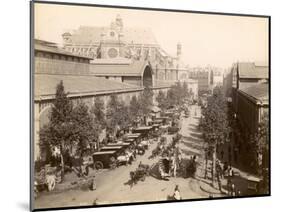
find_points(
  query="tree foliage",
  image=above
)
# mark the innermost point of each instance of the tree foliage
(85, 130)
(98, 111)
(162, 100)
(146, 101)
(215, 124)
(176, 95)
(68, 127)
(134, 108)
(59, 131)
(117, 114)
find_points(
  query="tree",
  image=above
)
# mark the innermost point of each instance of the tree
(59, 131)
(260, 142)
(85, 130)
(134, 108)
(146, 100)
(185, 91)
(176, 94)
(117, 114)
(171, 97)
(162, 101)
(124, 118)
(215, 124)
(111, 110)
(98, 112)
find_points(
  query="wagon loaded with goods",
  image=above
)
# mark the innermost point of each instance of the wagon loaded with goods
(46, 178)
(160, 170)
(163, 168)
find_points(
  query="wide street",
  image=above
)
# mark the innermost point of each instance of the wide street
(112, 185)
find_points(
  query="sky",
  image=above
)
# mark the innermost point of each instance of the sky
(216, 40)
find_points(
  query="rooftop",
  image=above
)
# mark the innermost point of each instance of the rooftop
(45, 46)
(92, 34)
(135, 68)
(252, 71)
(118, 61)
(259, 91)
(45, 85)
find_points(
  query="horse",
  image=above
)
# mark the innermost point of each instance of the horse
(139, 174)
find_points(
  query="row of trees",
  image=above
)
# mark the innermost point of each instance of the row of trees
(69, 127)
(219, 126)
(75, 126)
(215, 125)
(175, 96)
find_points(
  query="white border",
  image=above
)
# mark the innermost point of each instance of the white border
(14, 105)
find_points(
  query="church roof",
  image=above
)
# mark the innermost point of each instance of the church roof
(91, 34)
(45, 85)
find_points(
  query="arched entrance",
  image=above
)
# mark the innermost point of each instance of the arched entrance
(44, 116)
(147, 76)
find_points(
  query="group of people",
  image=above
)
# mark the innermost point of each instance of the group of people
(227, 172)
(172, 163)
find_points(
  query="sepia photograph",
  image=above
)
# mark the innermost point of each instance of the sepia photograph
(141, 105)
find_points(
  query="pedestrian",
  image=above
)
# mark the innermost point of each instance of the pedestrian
(176, 194)
(230, 171)
(218, 173)
(222, 154)
(235, 154)
(238, 193)
(176, 160)
(233, 193)
(229, 183)
(225, 168)
(93, 185)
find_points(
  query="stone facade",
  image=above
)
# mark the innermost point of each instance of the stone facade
(117, 41)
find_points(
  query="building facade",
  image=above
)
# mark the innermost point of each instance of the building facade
(83, 81)
(117, 41)
(203, 79)
(245, 75)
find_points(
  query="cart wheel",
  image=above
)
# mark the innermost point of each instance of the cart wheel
(98, 165)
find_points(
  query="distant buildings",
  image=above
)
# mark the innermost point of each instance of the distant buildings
(192, 86)
(217, 77)
(207, 77)
(203, 79)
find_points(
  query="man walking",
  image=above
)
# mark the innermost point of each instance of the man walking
(218, 173)
(176, 160)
